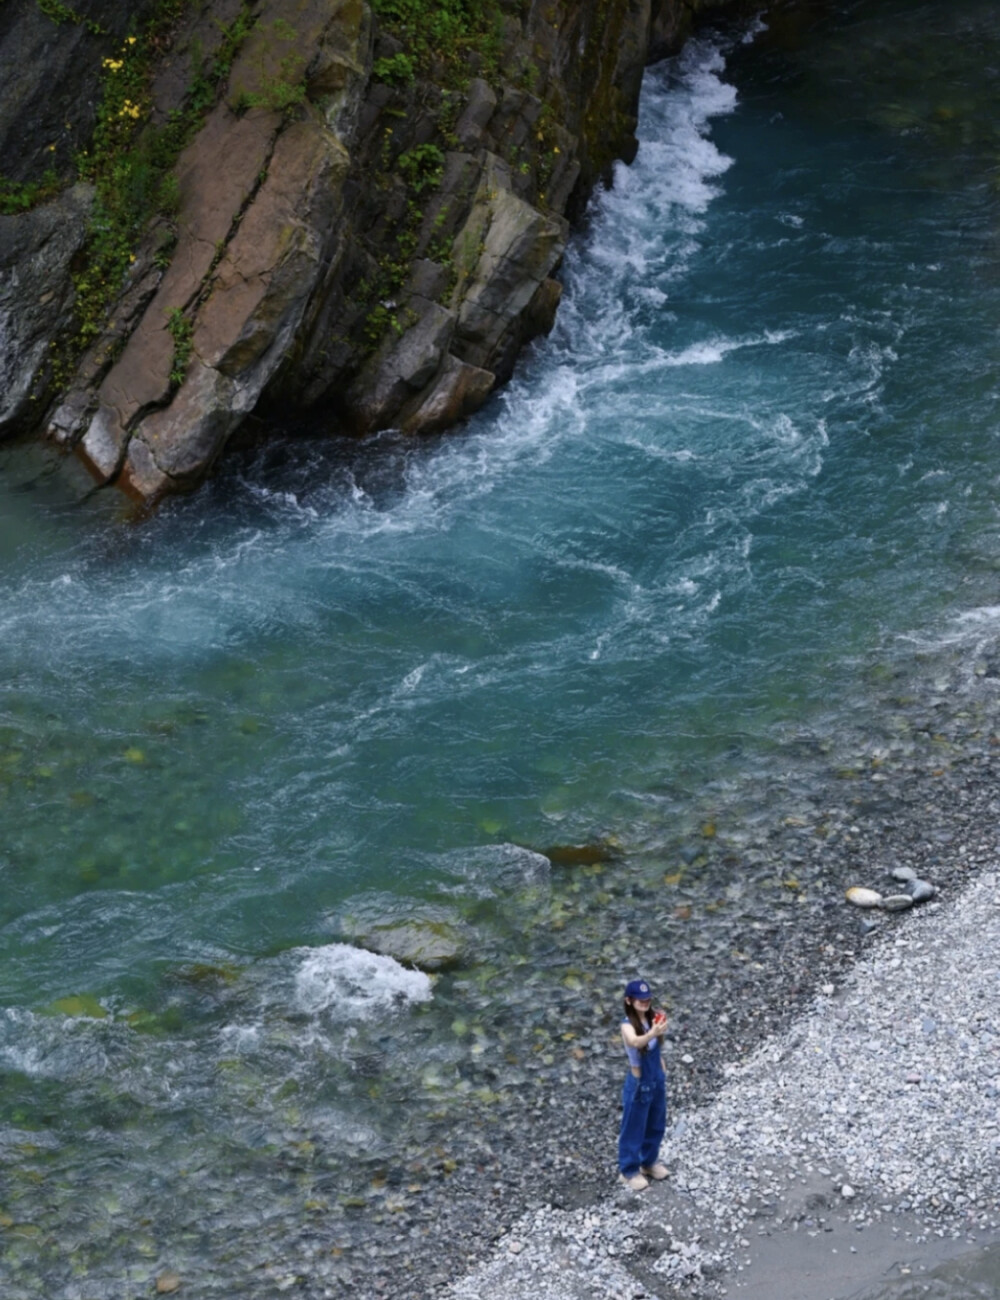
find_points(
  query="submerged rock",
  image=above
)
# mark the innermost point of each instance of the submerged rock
(896, 903)
(862, 897)
(903, 874)
(83, 1005)
(207, 974)
(428, 945)
(581, 855)
(921, 891)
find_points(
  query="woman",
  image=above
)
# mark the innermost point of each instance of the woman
(644, 1097)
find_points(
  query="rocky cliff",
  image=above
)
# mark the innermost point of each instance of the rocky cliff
(212, 207)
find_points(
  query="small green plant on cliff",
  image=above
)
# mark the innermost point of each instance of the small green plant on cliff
(280, 93)
(382, 317)
(181, 333)
(399, 70)
(528, 76)
(286, 89)
(125, 182)
(443, 42)
(421, 167)
(168, 197)
(445, 31)
(61, 13)
(129, 162)
(210, 74)
(19, 196)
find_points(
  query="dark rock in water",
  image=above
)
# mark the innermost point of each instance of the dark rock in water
(920, 890)
(77, 1004)
(903, 874)
(581, 855)
(205, 973)
(429, 945)
(691, 853)
(896, 903)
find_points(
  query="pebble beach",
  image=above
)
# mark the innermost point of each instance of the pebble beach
(876, 1111)
(813, 1045)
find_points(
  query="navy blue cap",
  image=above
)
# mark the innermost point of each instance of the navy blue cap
(638, 989)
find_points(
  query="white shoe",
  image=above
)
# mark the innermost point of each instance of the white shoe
(655, 1172)
(637, 1182)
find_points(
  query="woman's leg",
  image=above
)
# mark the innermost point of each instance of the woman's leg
(655, 1129)
(635, 1108)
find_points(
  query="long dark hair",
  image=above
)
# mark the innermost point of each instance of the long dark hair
(636, 1021)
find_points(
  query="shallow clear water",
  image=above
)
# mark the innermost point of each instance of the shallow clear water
(758, 456)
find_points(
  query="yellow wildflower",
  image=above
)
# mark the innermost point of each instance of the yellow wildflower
(130, 40)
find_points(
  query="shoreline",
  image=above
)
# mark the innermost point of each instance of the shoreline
(744, 978)
(862, 1124)
(921, 795)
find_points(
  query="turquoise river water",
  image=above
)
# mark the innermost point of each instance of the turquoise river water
(759, 453)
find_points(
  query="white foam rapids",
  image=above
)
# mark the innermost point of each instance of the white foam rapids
(356, 984)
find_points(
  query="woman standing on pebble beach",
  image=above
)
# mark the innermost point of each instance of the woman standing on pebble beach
(644, 1096)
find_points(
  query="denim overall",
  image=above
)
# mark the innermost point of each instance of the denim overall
(644, 1110)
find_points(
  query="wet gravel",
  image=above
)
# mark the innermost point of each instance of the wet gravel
(742, 923)
(883, 1098)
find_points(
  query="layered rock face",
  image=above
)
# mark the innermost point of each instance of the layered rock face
(355, 231)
